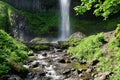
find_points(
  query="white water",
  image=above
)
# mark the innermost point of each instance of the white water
(65, 23)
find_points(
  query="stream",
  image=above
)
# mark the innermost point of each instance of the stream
(56, 64)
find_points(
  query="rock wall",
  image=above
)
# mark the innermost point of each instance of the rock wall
(35, 5)
(40, 5)
(20, 29)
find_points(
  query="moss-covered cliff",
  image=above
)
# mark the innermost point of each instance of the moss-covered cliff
(38, 23)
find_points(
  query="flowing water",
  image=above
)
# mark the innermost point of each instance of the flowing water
(65, 23)
(56, 64)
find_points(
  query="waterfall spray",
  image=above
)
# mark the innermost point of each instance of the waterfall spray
(65, 23)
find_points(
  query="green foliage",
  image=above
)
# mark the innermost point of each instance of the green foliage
(42, 23)
(11, 50)
(117, 32)
(102, 7)
(112, 63)
(39, 23)
(88, 47)
(114, 44)
(85, 5)
(73, 41)
(91, 48)
(39, 47)
(3, 16)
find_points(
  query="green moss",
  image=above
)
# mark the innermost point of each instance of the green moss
(39, 23)
(73, 41)
(112, 63)
(39, 47)
(87, 47)
(3, 16)
(78, 66)
(114, 44)
(117, 32)
(6, 12)
(11, 50)
(43, 23)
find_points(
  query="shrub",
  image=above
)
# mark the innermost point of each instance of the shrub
(11, 50)
(87, 47)
(117, 32)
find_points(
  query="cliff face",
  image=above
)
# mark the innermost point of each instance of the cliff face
(35, 5)
(40, 5)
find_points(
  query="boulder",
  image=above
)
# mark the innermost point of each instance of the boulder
(77, 35)
(75, 38)
(39, 40)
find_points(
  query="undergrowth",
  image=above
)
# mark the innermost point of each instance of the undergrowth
(90, 48)
(11, 51)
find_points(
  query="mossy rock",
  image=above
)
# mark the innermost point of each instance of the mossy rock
(39, 44)
(39, 47)
(75, 39)
(39, 40)
(78, 35)
(117, 32)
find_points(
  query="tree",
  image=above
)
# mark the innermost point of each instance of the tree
(101, 7)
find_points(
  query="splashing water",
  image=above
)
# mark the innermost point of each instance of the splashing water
(65, 23)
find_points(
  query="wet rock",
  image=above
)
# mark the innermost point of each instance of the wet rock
(31, 75)
(78, 35)
(66, 72)
(14, 77)
(34, 65)
(63, 44)
(73, 78)
(85, 76)
(73, 69)
(102, 75)
(73, 59)
(68, 61)
(39, 40)
(80, 71)
(75, 72)
(38, 69)
(83, 63)
(61, 60)
(59, 50)
(65, 51)
(89, 70)
(52, 52)
(31, 54)
(44, 54)
(95, 62)
(42, 74)
(32, 58)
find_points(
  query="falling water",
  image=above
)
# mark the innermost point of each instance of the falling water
(65, 23)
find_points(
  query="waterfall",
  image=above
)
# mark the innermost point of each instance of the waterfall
(65, 23)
